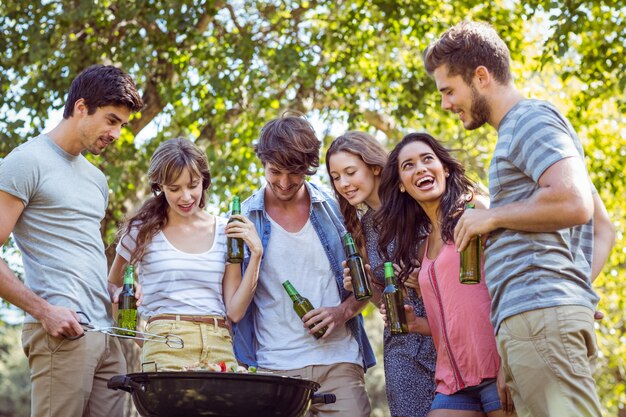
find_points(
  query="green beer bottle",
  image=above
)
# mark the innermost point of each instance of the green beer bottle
(394, 302)
(127, 305)
(301, 305)
(360, 283)
(469, 271)
(235, 245)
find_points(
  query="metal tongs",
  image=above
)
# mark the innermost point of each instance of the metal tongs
(172, 341)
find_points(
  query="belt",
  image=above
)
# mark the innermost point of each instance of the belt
(218, 321)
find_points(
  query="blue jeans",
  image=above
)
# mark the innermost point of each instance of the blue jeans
(482, 397)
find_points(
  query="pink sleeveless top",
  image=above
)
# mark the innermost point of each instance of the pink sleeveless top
(458, 315)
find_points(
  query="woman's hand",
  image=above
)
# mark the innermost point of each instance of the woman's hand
(244, 229)
(414, 324)
(347, 278)
(411, 281)
(115, 293)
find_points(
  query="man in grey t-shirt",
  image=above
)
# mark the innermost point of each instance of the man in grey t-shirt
(52, 199)
(542, 253)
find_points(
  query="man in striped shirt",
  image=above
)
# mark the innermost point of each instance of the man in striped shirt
(539, 255)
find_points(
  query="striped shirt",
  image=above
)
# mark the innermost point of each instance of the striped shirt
(176, 282)
(527, 271)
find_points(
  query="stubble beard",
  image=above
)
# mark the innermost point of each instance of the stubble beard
(479, 112)
(285, 198)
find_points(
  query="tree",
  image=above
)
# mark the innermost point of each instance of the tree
(216, 71)
(14, 378)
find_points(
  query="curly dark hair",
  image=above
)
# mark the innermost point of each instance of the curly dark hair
(402, 220)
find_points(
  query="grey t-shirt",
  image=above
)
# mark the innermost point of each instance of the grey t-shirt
(528, 271)
(64, 198)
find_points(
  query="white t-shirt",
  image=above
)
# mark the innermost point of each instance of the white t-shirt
(283, 342)
(176, 282)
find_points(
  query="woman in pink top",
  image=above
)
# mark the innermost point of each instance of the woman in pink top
(424, 189)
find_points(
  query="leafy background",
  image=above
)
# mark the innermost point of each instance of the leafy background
(216, 71)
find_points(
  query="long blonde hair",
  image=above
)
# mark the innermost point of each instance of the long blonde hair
(374, 155)
(168, 162)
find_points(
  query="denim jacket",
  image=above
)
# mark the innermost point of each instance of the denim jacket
(328, 224)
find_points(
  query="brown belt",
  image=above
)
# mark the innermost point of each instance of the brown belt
(219, 322)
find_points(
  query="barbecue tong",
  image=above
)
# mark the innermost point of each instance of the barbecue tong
(172, 341)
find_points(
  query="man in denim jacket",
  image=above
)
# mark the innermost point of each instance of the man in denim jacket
(301, 229)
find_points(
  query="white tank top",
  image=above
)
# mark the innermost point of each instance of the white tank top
(283, 342)
(177, 282)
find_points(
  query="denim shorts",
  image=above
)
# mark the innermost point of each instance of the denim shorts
(482, 397)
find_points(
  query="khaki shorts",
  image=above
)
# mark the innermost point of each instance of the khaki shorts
(69, 377)
(203, 343)
(345, 380)
(548, 356)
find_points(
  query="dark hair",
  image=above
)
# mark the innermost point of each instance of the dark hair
(102, 85)
(166, 165)
(466, 46)
(289, 142)
(374, 155)
(402, 220)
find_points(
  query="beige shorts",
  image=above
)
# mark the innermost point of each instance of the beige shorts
(548, 356)
(203, 343)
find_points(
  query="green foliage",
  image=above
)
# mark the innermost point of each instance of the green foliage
(607, 144)
(375, 376)
(595, 31)
(14, 376)
(216, 70)
(11, 255)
